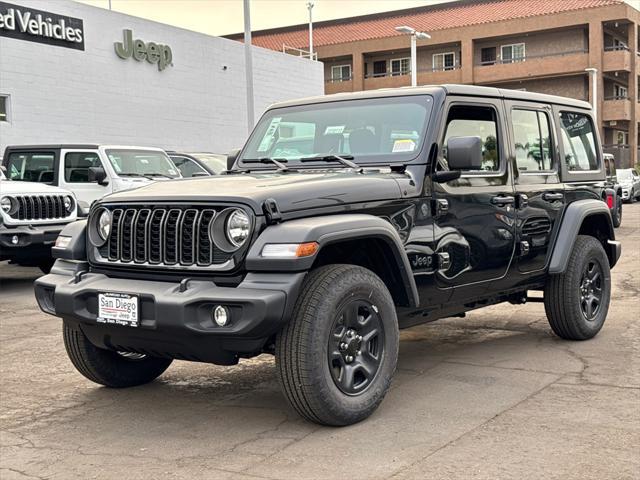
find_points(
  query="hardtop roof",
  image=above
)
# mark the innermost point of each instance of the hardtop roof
(448, 89)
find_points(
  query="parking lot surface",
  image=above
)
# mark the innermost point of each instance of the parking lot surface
(493, 395)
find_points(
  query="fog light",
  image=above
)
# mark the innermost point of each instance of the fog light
(221, 315)
(15, 240)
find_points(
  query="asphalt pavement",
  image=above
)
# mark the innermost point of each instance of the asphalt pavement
(494, 395)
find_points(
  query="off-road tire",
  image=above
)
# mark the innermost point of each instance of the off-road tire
(302, 349)
(616, 215)
(107, 367)
(562, 294)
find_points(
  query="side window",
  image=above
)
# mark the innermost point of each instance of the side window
(77, 164)
(31, 167)
(474, 121)
(579, 142)
(532, 140)
(186, 166)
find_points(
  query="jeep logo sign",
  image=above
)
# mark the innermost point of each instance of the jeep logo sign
(152, 52)
(33, 25)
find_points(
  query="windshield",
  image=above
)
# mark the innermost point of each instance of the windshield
(378, 130)
(31, 166)
(213, 161)
(625, 175)
(142, 163)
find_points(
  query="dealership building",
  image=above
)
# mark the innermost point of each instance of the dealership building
(73, 73)
(536, 45)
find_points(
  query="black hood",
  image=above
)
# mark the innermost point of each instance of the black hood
(292, 191)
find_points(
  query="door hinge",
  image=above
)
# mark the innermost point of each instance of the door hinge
(444, 261)
(524, 248)
(439, 207)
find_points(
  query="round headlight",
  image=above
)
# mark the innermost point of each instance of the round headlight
(104, 224)
(68, 203)
(9, 205)
(238, 226)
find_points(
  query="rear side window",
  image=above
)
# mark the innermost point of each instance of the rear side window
(578, 140)
(532, 140)
(31, 166)
(77, 164)
(187, 166)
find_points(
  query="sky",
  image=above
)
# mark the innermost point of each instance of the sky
(220, 17)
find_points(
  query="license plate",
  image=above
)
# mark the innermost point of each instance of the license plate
(118, 309)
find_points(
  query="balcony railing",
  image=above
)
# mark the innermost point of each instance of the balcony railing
(340, 79)
(615, 48)
(408, 72)
(499, 61)
(617, 97)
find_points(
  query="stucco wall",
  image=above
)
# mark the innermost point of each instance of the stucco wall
(60, 95)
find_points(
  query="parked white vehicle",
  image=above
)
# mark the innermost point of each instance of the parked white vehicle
(31, 217)
(89, 171)
(629, 180)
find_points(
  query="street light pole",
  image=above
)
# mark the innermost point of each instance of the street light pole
(415, 35)
(310, 7)
(248, 64)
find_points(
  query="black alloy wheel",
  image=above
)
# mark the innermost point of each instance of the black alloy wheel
(356, 346)
(591, 290)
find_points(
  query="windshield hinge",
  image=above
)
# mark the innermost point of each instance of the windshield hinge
(271, 211)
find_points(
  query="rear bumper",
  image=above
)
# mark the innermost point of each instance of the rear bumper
(175, 323)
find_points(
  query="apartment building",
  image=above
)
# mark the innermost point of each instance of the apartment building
(536, 45)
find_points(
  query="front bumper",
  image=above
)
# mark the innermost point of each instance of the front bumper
(174, 323)
(33, 243)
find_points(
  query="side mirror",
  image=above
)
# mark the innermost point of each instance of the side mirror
(464, 153)
(3, 169)
(98, 175)
(232, 156)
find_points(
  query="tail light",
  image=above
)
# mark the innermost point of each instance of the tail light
(609, 200)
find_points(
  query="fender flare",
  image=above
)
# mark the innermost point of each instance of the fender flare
(327, 230)
(572, 220)
(77, 248)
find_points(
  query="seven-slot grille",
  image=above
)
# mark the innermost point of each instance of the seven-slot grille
(40, 207)
(163, 236)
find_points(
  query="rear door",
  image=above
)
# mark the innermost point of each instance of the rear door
(74, 176)
(540, 198)
(474, 230)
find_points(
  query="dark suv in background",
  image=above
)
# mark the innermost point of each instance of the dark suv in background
(395, 208)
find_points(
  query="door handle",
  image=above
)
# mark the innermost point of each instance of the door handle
(503, 200)
(552, 197)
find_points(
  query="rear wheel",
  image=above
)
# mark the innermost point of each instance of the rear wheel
(107, 367)
(577, 301)
(337, 355)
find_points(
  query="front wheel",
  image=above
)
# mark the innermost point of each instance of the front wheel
(577, 301)
(107, 367)
(337, 355)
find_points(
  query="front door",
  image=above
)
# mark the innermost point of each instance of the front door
(475, 219)
(539, 192)
(74, 176)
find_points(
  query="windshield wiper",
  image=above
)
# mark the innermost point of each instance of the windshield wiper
(332, 157)
(154, 174)
(278, 162)
(141, 175)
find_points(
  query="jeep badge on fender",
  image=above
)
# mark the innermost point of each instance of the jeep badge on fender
(343, 219)
(152, 52)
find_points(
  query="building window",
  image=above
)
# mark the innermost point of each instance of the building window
(532, 140)
(619, 92)
(579, 142)
(622, 137)
(488, 56)
(512, 53)
(444, 61)
(619, 45)
(340, 73)
(4, 108)
(380, 68)
(400, 66)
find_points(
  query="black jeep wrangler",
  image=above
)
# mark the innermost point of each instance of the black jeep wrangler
(342, 220)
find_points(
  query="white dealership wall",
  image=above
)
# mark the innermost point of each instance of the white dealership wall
(61, 95)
